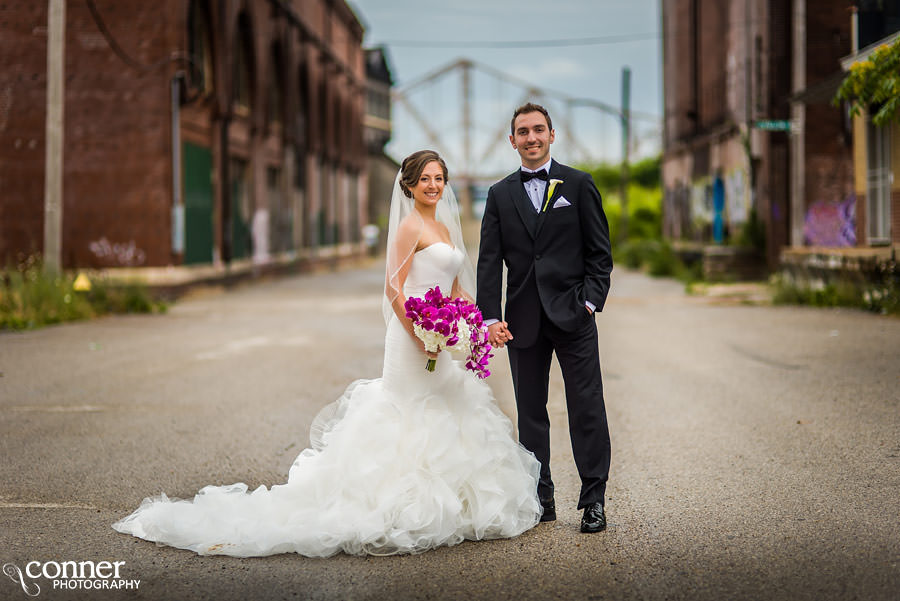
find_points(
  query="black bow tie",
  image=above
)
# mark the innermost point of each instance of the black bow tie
(528, 175)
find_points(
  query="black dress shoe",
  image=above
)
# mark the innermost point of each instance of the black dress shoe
(549, 506)
(594, 519)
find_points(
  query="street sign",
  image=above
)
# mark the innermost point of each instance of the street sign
(773, 125)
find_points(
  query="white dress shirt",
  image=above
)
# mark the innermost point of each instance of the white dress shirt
(537, 188)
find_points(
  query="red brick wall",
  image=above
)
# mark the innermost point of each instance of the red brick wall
(23, 82)
(829, 155)
(117, 160)
(829, 150)
(694, 54)
(678, 70)
(116, 184)
(118, 171)
(712, 52)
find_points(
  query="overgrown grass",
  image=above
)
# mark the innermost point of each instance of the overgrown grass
(644, 247)
(30, 298)
(644, 213)
(658, 258)
(881, 296)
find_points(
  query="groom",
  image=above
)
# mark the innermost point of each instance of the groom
(546, 222)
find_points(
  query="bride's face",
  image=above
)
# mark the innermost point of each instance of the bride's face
(430, 187)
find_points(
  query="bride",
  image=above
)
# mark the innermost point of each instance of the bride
(401, 464)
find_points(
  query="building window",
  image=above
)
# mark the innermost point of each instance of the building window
(877, 20)
(275, 87)
(323, 114)
(353, 218)
(241, 209)
(200, 47)
(300, 116)
(281, 213)
(243, 63)
(878, 184)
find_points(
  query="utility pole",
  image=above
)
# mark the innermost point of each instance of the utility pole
(466, 191)
(626, 139)
(748, 101)
(53, 161)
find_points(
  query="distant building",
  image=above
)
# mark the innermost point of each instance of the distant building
(382, 169)
(740, 137)
(196, 131)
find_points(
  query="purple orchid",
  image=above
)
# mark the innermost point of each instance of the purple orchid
(436, 319)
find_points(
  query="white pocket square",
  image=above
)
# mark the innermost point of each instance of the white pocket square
(561, 202)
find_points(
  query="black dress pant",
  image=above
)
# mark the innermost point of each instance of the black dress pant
(579, 359)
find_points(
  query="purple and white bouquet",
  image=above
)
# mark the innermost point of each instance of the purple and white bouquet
(444, 323)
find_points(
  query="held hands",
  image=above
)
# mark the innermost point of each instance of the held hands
(498, 334)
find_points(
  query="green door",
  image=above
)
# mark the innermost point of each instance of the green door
(198, 204)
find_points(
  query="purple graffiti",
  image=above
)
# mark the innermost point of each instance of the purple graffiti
(831, 223)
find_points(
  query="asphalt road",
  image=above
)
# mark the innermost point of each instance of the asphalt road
(756, 450)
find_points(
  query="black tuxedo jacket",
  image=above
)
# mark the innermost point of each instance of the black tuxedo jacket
(556, 259)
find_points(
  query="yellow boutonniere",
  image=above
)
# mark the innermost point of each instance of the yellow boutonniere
(553, 184)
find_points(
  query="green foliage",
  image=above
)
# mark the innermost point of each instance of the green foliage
(658, 257)
(842, 294)
(645, 173)
(644, 213)
(874, 85)
(644, 247)
(753, 233)
(606, 176)
(880, 295)
(30, 298)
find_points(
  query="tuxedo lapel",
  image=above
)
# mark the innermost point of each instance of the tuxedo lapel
(554, 174)
(522, 203)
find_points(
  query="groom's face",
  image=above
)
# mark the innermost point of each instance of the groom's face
(532, 138)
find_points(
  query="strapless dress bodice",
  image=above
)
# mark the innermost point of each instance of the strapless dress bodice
(435, 265)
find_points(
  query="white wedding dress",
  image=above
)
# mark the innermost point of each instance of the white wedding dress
(401, 464)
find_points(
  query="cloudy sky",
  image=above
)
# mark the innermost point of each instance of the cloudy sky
(538, 42)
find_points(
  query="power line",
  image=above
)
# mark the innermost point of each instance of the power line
(124, 56)
(608, 39)
(590, 41)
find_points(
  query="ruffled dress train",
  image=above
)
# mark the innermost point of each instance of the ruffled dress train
(400, 464)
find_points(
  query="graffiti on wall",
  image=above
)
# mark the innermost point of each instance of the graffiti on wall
(831, 223)
(120, 253)
(690, 211)
(701, 201)
(736, 199)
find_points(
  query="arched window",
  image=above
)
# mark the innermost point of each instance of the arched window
(322, 99)
(200, 46)
(276, 86)
(242, 90)
(302, 113)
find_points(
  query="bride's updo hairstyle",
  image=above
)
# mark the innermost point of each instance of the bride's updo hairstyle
(412, 167)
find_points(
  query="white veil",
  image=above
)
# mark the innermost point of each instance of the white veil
(400, 252)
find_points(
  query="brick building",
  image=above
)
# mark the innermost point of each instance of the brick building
(382, 169)
(195, 131)
(735, 74)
